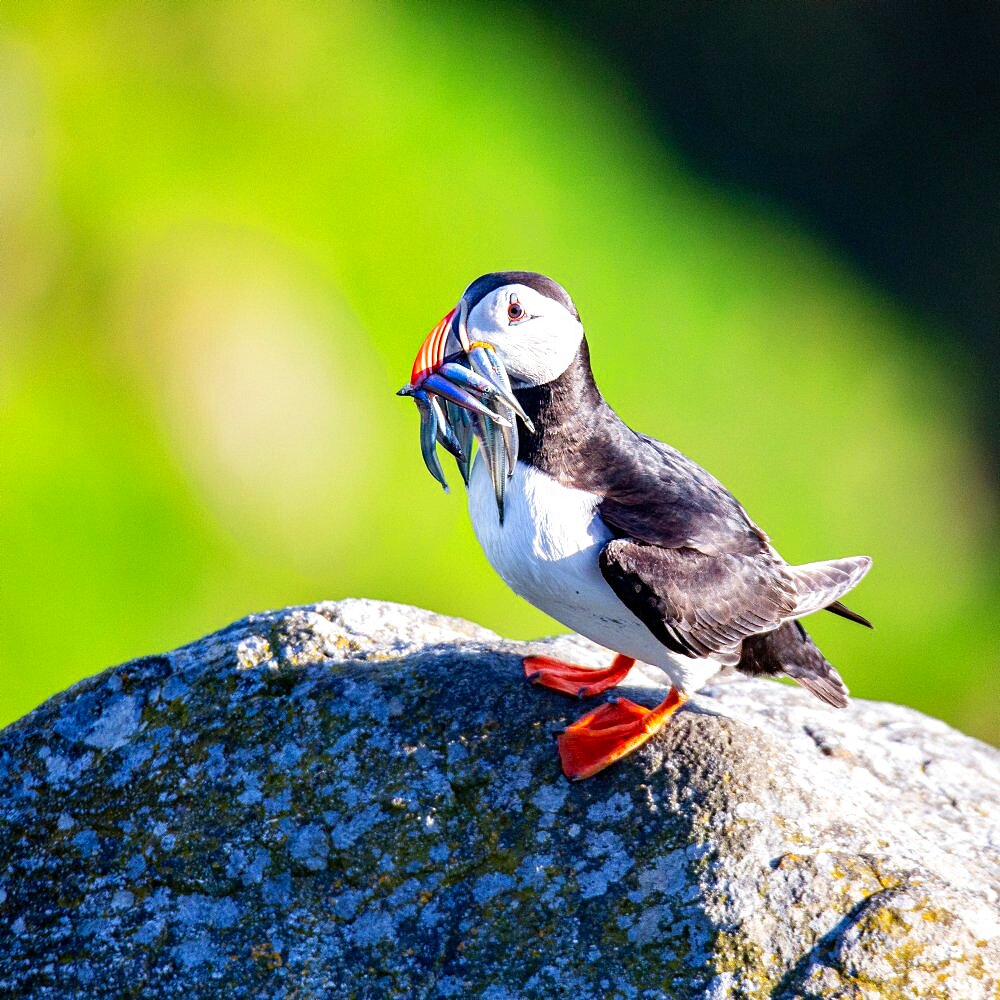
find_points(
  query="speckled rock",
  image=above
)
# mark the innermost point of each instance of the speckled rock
(364, 800)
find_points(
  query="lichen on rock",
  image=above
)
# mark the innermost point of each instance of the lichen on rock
(363, 800)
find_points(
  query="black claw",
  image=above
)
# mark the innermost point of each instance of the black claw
(531, 678)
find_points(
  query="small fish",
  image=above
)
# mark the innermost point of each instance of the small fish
(445, 434)
(484, 358)
(510, 442)
(459, 405)
(490, 436)
(485, 385)
(437, 383)
(461, 425)
(428, 436)
(485, 362)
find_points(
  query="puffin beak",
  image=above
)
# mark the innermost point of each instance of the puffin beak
(436, 371)
(479, 402)
(431, 355)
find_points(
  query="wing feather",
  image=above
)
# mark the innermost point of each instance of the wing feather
(698, 604)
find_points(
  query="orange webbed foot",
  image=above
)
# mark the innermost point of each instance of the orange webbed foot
(610, 732)
(570, 678)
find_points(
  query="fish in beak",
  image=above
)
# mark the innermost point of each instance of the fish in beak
(478, 403)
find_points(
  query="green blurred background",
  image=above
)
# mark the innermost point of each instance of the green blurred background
(224, 230)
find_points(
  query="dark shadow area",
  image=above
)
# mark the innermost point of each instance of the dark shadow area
(824, 950)
(876, 123)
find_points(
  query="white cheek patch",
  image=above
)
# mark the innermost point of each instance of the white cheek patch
(542, 358)
(535, 350)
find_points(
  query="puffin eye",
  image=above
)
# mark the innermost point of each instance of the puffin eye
(515, 311)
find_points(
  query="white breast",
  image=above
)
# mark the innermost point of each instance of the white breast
(547, 551)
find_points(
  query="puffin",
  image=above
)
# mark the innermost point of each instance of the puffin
(614, 534)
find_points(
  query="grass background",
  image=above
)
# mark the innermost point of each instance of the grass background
(226, 229)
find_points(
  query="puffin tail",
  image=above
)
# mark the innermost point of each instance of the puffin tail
(788, 650)
(822, 584)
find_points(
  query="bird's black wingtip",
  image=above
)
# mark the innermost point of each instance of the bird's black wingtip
(841, 609)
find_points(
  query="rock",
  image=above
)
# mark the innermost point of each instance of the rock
(364, 800)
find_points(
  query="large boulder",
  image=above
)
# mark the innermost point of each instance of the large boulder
(364, 800)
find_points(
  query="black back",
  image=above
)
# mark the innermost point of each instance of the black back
(651, 492)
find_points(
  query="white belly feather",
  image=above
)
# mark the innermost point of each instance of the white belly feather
(547, 551)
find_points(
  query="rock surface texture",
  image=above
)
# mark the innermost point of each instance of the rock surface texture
(364, 800)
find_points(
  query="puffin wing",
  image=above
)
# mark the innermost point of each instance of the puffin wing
(698, 604)
(654, 493)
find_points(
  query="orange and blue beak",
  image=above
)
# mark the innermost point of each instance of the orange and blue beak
(434, 349)
(436, 369)
(462, 401)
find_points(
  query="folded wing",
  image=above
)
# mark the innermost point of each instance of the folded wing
(705, 605)
(697, 604)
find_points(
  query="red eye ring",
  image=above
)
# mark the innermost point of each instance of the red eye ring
(515, 311)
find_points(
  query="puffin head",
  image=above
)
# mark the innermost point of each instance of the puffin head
(527, 319)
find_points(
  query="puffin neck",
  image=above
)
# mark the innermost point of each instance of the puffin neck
(563, 411)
